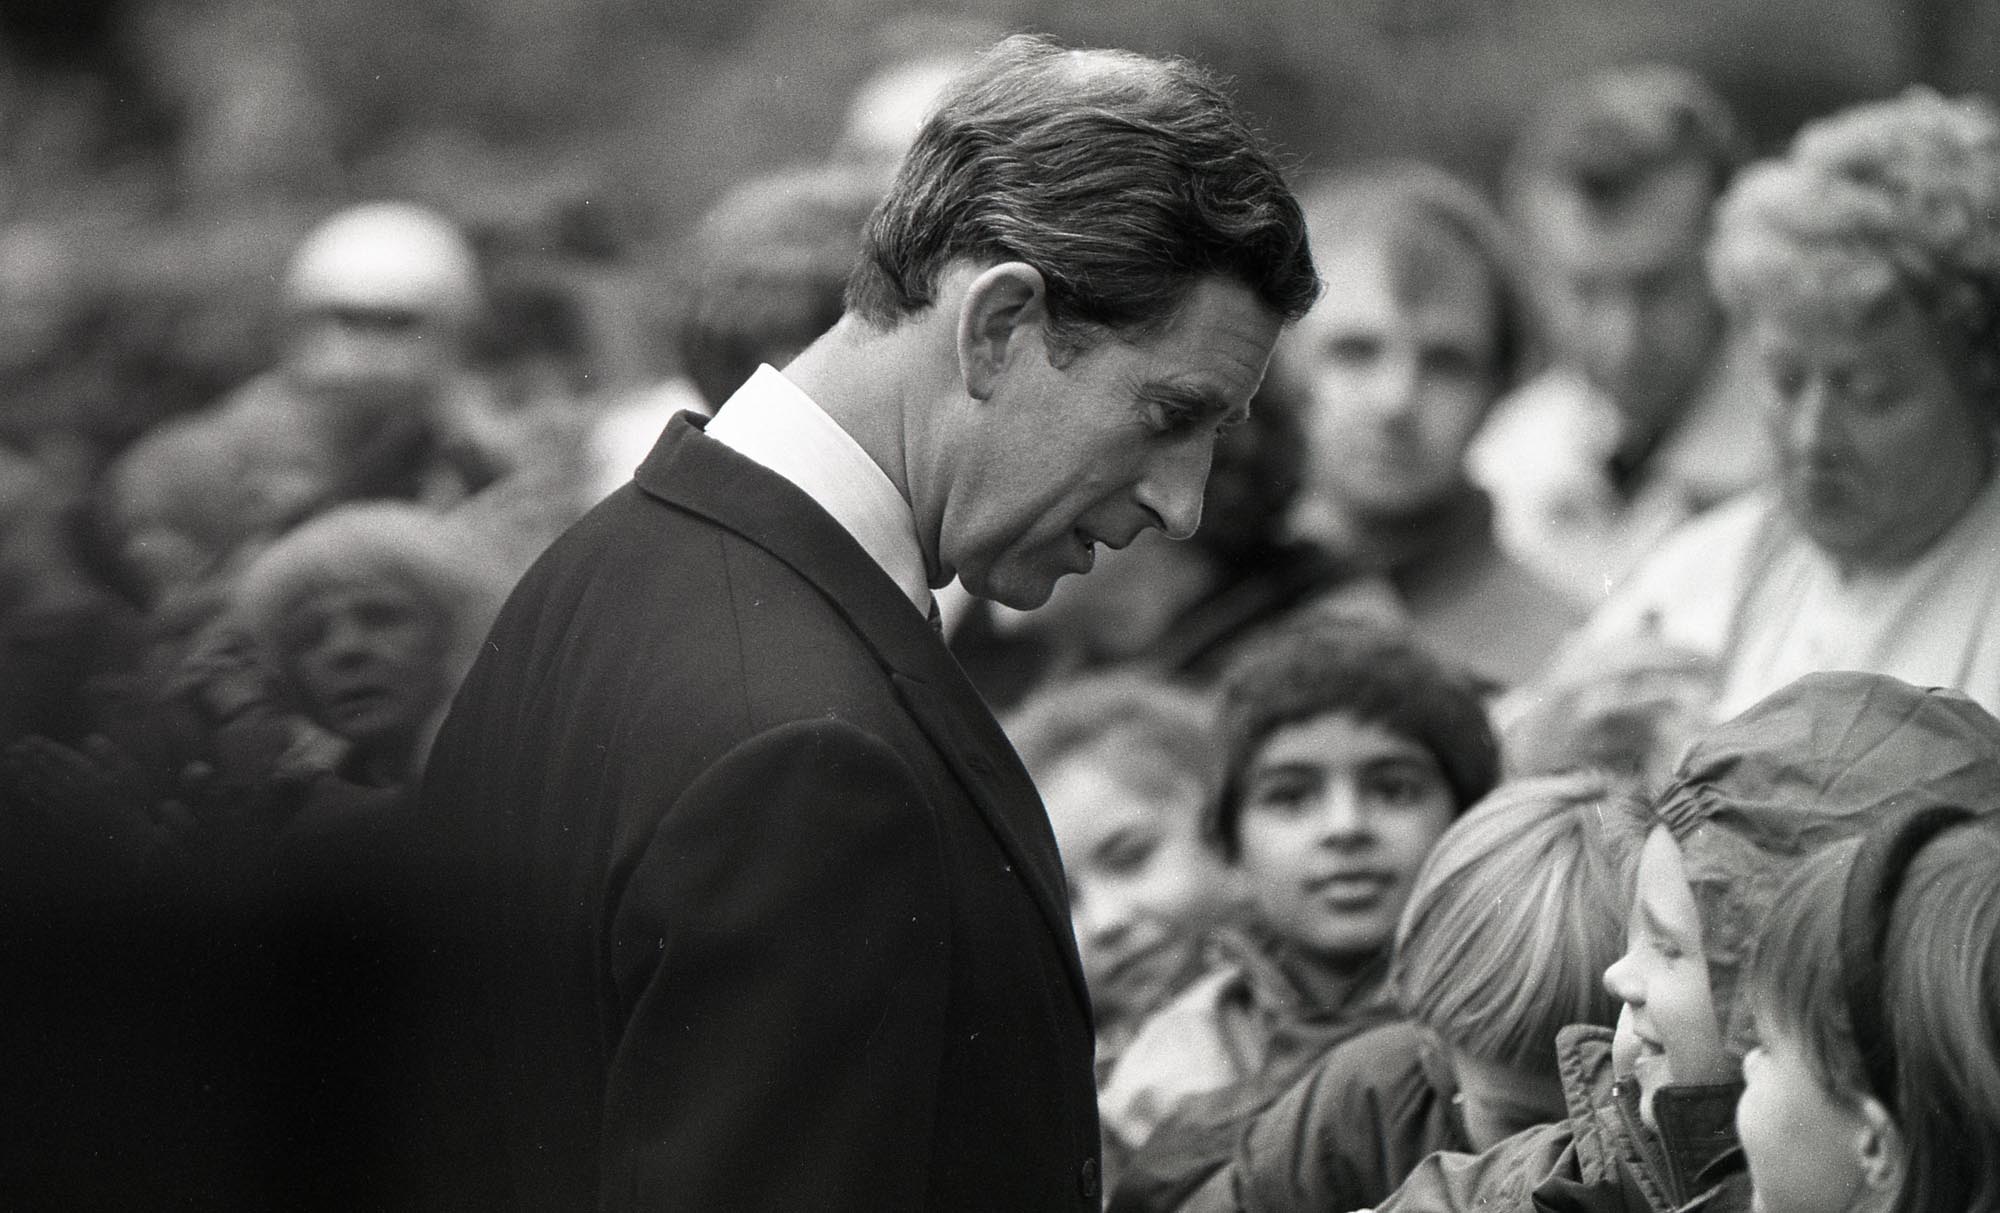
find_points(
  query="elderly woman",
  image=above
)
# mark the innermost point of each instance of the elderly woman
(1863, 271)
(370, 615)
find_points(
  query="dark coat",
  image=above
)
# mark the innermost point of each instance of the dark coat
(1346, 1134)
(1600, 1159)
(767, 912)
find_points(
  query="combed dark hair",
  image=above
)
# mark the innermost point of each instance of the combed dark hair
(1375, 675)
(1941, 992)
(1123, 180)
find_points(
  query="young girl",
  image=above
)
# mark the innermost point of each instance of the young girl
(1126, 765)
(1349, 751)
(1652, 1106)
(1875, 1082)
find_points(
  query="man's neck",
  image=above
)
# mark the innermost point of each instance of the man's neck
(863, 378)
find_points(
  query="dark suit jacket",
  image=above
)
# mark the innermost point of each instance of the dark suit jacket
(770, 916)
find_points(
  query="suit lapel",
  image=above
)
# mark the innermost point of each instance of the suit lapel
(691, 472)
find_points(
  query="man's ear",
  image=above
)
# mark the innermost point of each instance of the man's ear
(1003, 305)
(1880, 1148)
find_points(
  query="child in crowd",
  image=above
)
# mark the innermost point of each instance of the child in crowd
(1126, 765)
(1875, 1082)
(1651, 1107)
(1512, 922)
(1349, 751)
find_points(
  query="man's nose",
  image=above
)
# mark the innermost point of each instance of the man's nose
(1173, 488)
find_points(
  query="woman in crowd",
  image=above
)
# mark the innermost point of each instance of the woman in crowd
(1864, 271)
(370, 615)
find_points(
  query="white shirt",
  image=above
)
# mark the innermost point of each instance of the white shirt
(1742, 585)
(771, 422)
(1543, 457)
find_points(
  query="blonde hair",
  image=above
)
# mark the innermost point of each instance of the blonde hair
(1899, 195)
(1517, 913)
(447, 562)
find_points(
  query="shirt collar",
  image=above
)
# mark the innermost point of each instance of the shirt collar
(770, 421)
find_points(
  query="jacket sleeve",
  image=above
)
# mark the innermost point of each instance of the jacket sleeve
(779, 956)
(1503, 1177)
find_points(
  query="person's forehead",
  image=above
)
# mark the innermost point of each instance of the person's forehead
(1335, 739)
(1443, 283)
(1218, 341)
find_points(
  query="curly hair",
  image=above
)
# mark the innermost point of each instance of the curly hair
(1376, 675)
(442, 559)
(1123, 180)
(1899, 195)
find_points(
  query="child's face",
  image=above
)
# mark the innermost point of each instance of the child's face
(1668, 1031)
(1802, 1140)
(1140, 881)
(1337, 816)
(1399, 375)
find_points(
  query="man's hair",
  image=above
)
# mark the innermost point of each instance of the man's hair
(1373, 675)
(1153, 727)
(1602, 136)
(1516, 914)
(767, 266)
(1941, 994)
(1123, 180)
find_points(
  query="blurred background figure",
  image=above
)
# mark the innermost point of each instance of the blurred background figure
(1425, 322)
(1864, 269)
(762, 274)
(1126, 765)
(368, 399)
(1645, 419)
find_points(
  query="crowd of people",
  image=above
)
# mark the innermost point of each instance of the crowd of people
(1553, 775)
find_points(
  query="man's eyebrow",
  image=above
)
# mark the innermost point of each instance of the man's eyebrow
(1209, 403)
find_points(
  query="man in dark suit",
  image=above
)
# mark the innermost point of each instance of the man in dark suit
(764, 912)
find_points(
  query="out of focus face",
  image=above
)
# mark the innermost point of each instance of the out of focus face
(1096, 448)
(1141, 883)
(1800, 1139)
(1668, 1030)
(366, 655)
(370, 359)
(1628, 294)
(1336, 818)
(1880, 448)
(1397, 375)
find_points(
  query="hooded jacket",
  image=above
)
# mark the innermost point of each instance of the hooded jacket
(1818, 761)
